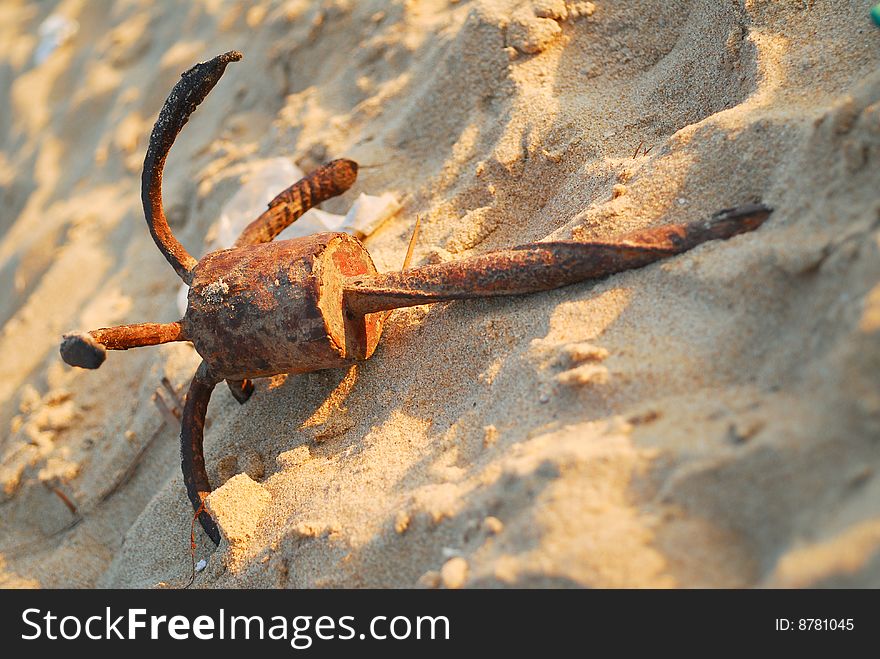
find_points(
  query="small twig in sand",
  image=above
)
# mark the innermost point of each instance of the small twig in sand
(639, 148)
(117, 484)
(175, 396)
(71, 506)
(169, 414)
(192, 544)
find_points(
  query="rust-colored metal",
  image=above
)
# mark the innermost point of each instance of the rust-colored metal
(89, 350)
(192, 455)
(327, 181)
(264, 308)
(188, 93)
(542, 266)
(279, 304)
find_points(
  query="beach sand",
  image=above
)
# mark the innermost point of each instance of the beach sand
(709, 420)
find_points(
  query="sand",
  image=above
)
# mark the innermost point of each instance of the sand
(710, 420)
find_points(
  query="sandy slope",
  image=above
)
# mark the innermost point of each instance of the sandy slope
(730, 437)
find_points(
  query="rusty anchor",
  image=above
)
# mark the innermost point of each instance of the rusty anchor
(263, 308)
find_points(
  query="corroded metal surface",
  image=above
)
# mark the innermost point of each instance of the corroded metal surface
(326, 182)
(193, 87)
(542, 266)
(275, 307)
(88, 350)
(192, 456)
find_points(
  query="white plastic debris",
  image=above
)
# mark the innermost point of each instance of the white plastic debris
(53, 32)
(268, 179)
(201, 565)
(368, 213)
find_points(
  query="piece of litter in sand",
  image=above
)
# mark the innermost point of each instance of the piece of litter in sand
(262, 185)
(54, 32)
(201, 565)
(368, 213)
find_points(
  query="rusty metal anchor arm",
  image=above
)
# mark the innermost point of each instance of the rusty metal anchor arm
(193, 87)
(192, 456)
(89, 349)
(327, 181)
(541, 266)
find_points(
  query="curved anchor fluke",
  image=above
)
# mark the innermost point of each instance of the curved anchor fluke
(192, 456)
(193, 87)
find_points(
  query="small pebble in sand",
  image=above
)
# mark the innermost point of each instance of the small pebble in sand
(401, 521)
(740, 433)
(430, 579)
(490, 436)
(544, 399)
(618, 190)
(493, 525)
(454, 572)
(201, 565)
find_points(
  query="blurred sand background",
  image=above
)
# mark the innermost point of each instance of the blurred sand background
(710, 420)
